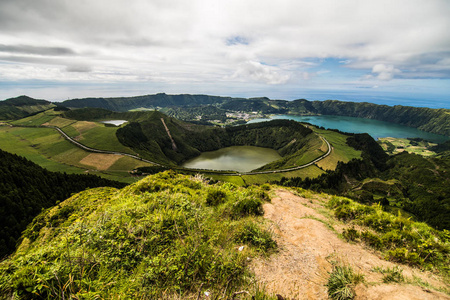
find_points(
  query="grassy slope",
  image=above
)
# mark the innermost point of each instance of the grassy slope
(47, 148)
(165, 236)
(159, 238)
(104, 138)
(341, 151)
(20, 141)
(403, 144)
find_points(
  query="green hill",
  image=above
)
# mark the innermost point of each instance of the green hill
(166, 236)
(22, 106)
(26, 189)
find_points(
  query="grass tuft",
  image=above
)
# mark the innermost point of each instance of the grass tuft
(342, 281)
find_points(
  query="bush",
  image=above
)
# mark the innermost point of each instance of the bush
(403, 255)
(215, 197)
(392, 239)
(251, 234)
(351, 234)
(247, 207)
(372, 240)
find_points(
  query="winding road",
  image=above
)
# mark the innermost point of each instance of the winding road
(78, 144)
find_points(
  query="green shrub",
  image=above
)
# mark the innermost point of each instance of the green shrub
(215, 197)
(252, 234)
(265, 187)
(247, 207)
(403, 255)
(336, 201)
(372, 240)
(345, 212)
(351, 234)
(341, 283)
(392, 239)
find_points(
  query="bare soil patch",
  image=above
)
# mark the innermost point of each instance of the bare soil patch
(308, 245)
(82, 126)
(100, 161)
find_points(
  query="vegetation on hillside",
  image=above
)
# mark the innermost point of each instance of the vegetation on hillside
(26, 189)
(150, 139)
(399, 238)
(427, 119)
(166, 236)
(22, 106)
(416, 184)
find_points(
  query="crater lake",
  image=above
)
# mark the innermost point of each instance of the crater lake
(236, 158)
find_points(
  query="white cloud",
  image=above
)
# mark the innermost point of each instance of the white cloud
(384, 72)
(197, 41)
(260, 73)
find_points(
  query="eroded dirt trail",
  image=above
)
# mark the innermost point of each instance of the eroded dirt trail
(308, 246)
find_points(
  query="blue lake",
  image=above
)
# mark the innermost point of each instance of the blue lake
(376, 129)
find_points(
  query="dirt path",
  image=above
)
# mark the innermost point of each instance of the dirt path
(307, 249)
(174, 146)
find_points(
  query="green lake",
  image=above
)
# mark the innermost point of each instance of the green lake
(237, 158)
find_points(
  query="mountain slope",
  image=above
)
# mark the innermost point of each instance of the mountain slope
(176, 237)
(310, 248)
(26, 189)
(166, 237)
(22, 106)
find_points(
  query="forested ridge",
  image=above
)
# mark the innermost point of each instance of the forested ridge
(26, 189)
(22, 106)
(427, 119)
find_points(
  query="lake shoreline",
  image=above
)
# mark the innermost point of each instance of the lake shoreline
(375, 128)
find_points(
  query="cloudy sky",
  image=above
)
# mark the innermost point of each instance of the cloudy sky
(393, 52)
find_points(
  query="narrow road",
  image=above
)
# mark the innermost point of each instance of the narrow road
(78, 144)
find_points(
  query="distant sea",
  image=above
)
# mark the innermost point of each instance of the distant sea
(385, 99)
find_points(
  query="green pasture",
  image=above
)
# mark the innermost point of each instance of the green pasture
(22, 141)
(47, 148)
(103, 138)
(397, 145)
(37, 119)
(340, 150)
(311, 172)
